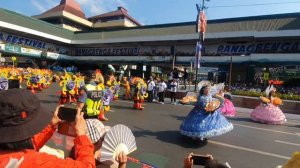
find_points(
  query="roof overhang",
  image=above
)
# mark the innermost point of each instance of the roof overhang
(67, 15)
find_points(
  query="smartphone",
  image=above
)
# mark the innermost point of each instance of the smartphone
(66, 128)
(200, 159)
(67, 112)
(13, 84)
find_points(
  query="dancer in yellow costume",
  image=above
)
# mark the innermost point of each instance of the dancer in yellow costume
(68, 89)
(140, 93)
(3, 79)
(126, 85)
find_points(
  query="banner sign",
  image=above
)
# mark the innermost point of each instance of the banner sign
(13, 39)
(107, 51)
(32, 43)
(267, 47)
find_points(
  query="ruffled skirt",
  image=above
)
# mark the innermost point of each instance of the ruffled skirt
(269, 114)
(228, 109)
(199, 124)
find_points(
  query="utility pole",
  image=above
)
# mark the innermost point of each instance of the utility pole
(230, 71)
(201, 37)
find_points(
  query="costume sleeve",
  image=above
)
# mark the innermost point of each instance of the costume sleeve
(40, 139)
(82, 98)
(201, 102)
(84, 156)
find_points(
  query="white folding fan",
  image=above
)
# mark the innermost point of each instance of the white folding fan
(118, 139)
(216, 88)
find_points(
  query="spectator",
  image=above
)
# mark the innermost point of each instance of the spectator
(150, 89)
(162, 86)
(22, 121)
(96, 132)
(211, 163)
(185, 77)
(173, 91)
(176, 75)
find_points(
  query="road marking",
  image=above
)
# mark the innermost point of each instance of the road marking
(288, 143)
(249, 150)
(264, 129)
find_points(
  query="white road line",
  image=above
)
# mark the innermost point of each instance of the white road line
(288, 143)
(249, 150)
(282, 132)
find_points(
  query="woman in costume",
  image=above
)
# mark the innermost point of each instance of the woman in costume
(268, 111)
(205, 120)
(228, 109)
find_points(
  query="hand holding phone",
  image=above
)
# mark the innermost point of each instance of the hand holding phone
(200, 159)
(67, 112)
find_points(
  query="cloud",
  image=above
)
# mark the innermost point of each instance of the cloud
(39, 6)
(43, 6)
(96, 7)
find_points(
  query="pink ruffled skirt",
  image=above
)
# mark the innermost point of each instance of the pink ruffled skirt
(228, 109)
(269, 114)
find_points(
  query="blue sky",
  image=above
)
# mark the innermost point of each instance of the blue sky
(162, 11)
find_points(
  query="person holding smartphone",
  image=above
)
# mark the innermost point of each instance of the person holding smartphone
(26, 126)
(203, 160)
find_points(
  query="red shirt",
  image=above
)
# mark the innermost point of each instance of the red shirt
(84, 153)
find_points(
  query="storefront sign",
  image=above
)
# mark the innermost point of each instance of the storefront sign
(13, 48)
(28, 51)
(267, 47)
(51, 55)
(126, 51)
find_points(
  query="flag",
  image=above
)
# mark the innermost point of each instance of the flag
(198, 55)
(201, 22)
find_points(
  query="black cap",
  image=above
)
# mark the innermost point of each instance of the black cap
(21, 115)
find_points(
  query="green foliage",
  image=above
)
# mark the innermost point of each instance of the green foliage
(258, 94)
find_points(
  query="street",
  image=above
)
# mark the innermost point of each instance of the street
(159, 142)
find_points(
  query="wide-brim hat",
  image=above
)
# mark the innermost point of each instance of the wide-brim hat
(21, 115)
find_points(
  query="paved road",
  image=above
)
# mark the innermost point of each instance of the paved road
(156, 128)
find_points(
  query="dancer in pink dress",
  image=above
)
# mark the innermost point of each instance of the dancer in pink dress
(228, 109)
(268, 111)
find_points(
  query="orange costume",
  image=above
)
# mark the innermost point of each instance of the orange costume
(32, 158)
(126, 85)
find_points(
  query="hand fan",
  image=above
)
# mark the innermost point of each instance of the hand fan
(216, 88)
(118, 139)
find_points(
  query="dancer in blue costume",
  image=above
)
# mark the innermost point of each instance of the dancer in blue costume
(201, 122)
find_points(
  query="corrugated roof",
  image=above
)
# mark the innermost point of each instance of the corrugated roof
(120, 12)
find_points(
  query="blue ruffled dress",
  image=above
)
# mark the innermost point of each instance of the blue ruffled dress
(200, 124)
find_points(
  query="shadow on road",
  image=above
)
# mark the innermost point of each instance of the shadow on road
(179, 118)
(173, 137)
(240, 119)
(49, 101)
(121, 107)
